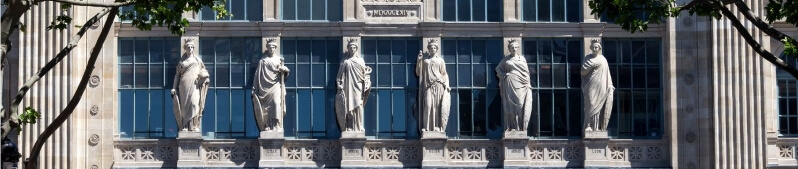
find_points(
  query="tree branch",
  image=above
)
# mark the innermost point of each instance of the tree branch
(64, 115)
(13, 121)
(753, 43)
(94, 3)
(759, 23)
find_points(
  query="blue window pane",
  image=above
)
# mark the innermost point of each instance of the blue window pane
(318, 10)
(251, 127)
(560, 76)
(495, 12)
(653, 53)
(449, 10)
(289, 51)
(303, 14)
(383, 51)
(237, 75)
(237, 46)
(413, 47)
(384, 77)
(302, 74)
(624, 77)
(573, 10)
(494, 50)
(398, 49)
(544, 9)
(207, 14)
(559, 52)
(545, 76)
(384, 110)
(479, 10)
(156, 51)
(126, 113)
(318, 75)
(477, 52)
(464, 10)
(452, 129)
(332, 73)
(141, 124)
(463, 51)
(398, 75)
(638, 52)
(290, 81)
(574, 75)
(492, 79)
(451, 70)
(289, 122)
(126, 50)
(223, 111)
(626, 51)
(558, 11)
(142, 79)
(544, 52)
(333, 51)
(125, 76)
(399, 111)
(170, 125)
(529, 8)
(141, 53)
(332, 130)
(639, 77)
(412, 80)
(222, 75)
(318, 50)
(237, 111)
(302, 54)
(449, 51)
(370, 51)
(209, 116)
(575, 113)
(156, 114)
(653, 77)
(254, 10)
(289, 9)
(237, 9)
(574, 51)
(222, 50)
(466, 116)
(545, 101)
(303, 113)
(207, 50)
(493, 102)
(610, 50)
(480, 118)
(479, 75)
(334, 10)
(319, 111)
(370, 114)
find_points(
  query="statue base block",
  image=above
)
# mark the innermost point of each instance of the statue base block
(596, 149)
(189, 146)
(271, 149)
(434, 145)
(352, 144)
(515, 154)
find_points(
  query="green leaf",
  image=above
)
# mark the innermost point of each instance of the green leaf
(29, 116)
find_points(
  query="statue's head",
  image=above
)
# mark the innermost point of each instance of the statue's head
(271, 46)
(432, 46)
(595, 46)
(351, 47)
(189, 46)
(513, 47)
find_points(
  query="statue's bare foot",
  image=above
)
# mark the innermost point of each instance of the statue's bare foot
(185, 129)
(423, 129)
(437, 129)
(195, 129)
(589, 129)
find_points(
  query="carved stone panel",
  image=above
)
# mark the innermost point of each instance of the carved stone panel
(393, 12)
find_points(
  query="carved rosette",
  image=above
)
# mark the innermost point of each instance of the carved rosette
(94, 80)
(94, 139)
(94, 110)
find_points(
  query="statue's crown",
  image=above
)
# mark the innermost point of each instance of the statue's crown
(432, 41)
(595, 41)
(271, 40)
(511, 41)
(352, 40)
(189, 40)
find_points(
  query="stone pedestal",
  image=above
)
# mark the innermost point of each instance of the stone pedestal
(190, 146)
(596, 149)
(271, 149)
(434, 144)
(515, 154)
(352, 154)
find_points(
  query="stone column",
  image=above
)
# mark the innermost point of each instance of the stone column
(431, 11)
(512, 11)
(271, 10)
(351, 10)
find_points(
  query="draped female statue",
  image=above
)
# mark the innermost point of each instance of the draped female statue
(353, 83)
(597, 89)
(515, 89)
(268, 90)
(433, 93)
(189, 89)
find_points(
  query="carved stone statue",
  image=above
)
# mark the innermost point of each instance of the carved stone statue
(433, 93)
(268, 90)
(597, 89)
(353, 83)
(515, 89)
(189, 89)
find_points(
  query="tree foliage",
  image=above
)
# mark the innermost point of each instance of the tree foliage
(635, 15)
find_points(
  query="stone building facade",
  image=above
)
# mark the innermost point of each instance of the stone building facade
(690, 92)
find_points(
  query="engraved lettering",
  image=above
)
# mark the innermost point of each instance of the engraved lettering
(596, 151)
(434, 151)
(389, 13)
(516, 151)
(353, 152)
(272, 151)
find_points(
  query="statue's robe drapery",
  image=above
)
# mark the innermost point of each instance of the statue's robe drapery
(192, 86)
(597, 91)
(516, 92)
(433, 94)
(353, 75)
(268, 99)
